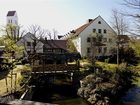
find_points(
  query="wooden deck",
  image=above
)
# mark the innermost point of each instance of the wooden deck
(55, 68)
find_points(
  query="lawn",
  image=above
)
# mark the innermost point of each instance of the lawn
(7, 75)
(106, 66)
(84, 64)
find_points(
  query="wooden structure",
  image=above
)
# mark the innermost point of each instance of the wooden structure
(54, 63)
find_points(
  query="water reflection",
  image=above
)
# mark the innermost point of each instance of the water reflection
(58, 94)
(132, 97)
(71, 101)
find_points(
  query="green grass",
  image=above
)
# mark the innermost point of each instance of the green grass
(106, 66)
(22, 68)
(17, 70)
(84, 64)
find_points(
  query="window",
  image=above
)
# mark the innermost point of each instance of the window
(94, 39)
(110, 40)
(105, 49)
(88, 50)
(105, 31)
(34, 43)
(94, 30)
(57, 50)
(88, 39)
(99, 22)
(28, 52)
(99, 39)
(104, 39)
(99, 49)
(28, 43)
(49, 50)
(99, 30)
(8, 21)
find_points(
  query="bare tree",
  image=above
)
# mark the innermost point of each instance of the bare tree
(13, 32)
(120, 26)
(52, 35)
(38, 34)
(95, 44)
(134, 12)
(37, 31)
(134, 4)
(119, 23)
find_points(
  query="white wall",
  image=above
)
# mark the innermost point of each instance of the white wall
(30, 38)
(77, 44)
(88, 32)
(13, 18)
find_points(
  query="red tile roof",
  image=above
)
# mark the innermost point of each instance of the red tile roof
(80, 29)
(11, 13)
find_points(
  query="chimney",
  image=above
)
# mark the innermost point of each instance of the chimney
(73, 31)
(89, 20)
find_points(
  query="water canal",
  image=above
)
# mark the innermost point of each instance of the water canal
(64, 93)
(58, 94)
(68, 97)
(132, 97)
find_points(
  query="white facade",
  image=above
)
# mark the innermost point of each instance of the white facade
(13, 19)
(27, 41)
(94, 27)
(77, 43)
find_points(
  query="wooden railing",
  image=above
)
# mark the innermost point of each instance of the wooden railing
(55, 67)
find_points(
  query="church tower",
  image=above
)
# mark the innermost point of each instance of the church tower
(12, 21)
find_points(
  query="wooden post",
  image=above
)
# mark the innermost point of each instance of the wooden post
(6, 84)
(11, 80)
(78, 64)
(71, 76)
(55, 67)
(15, 81)
(43, 63)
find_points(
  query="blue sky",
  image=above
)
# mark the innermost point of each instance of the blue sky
(62, 15)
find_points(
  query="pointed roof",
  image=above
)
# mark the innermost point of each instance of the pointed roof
(11, 13)
(80, 29)
(83, 27)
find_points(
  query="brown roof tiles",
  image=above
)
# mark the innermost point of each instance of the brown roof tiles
(80, 29)
(55, 44)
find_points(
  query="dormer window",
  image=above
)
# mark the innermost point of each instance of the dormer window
(99, 22)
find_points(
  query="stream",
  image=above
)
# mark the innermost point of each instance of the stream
(132, 97)
(66, 94)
